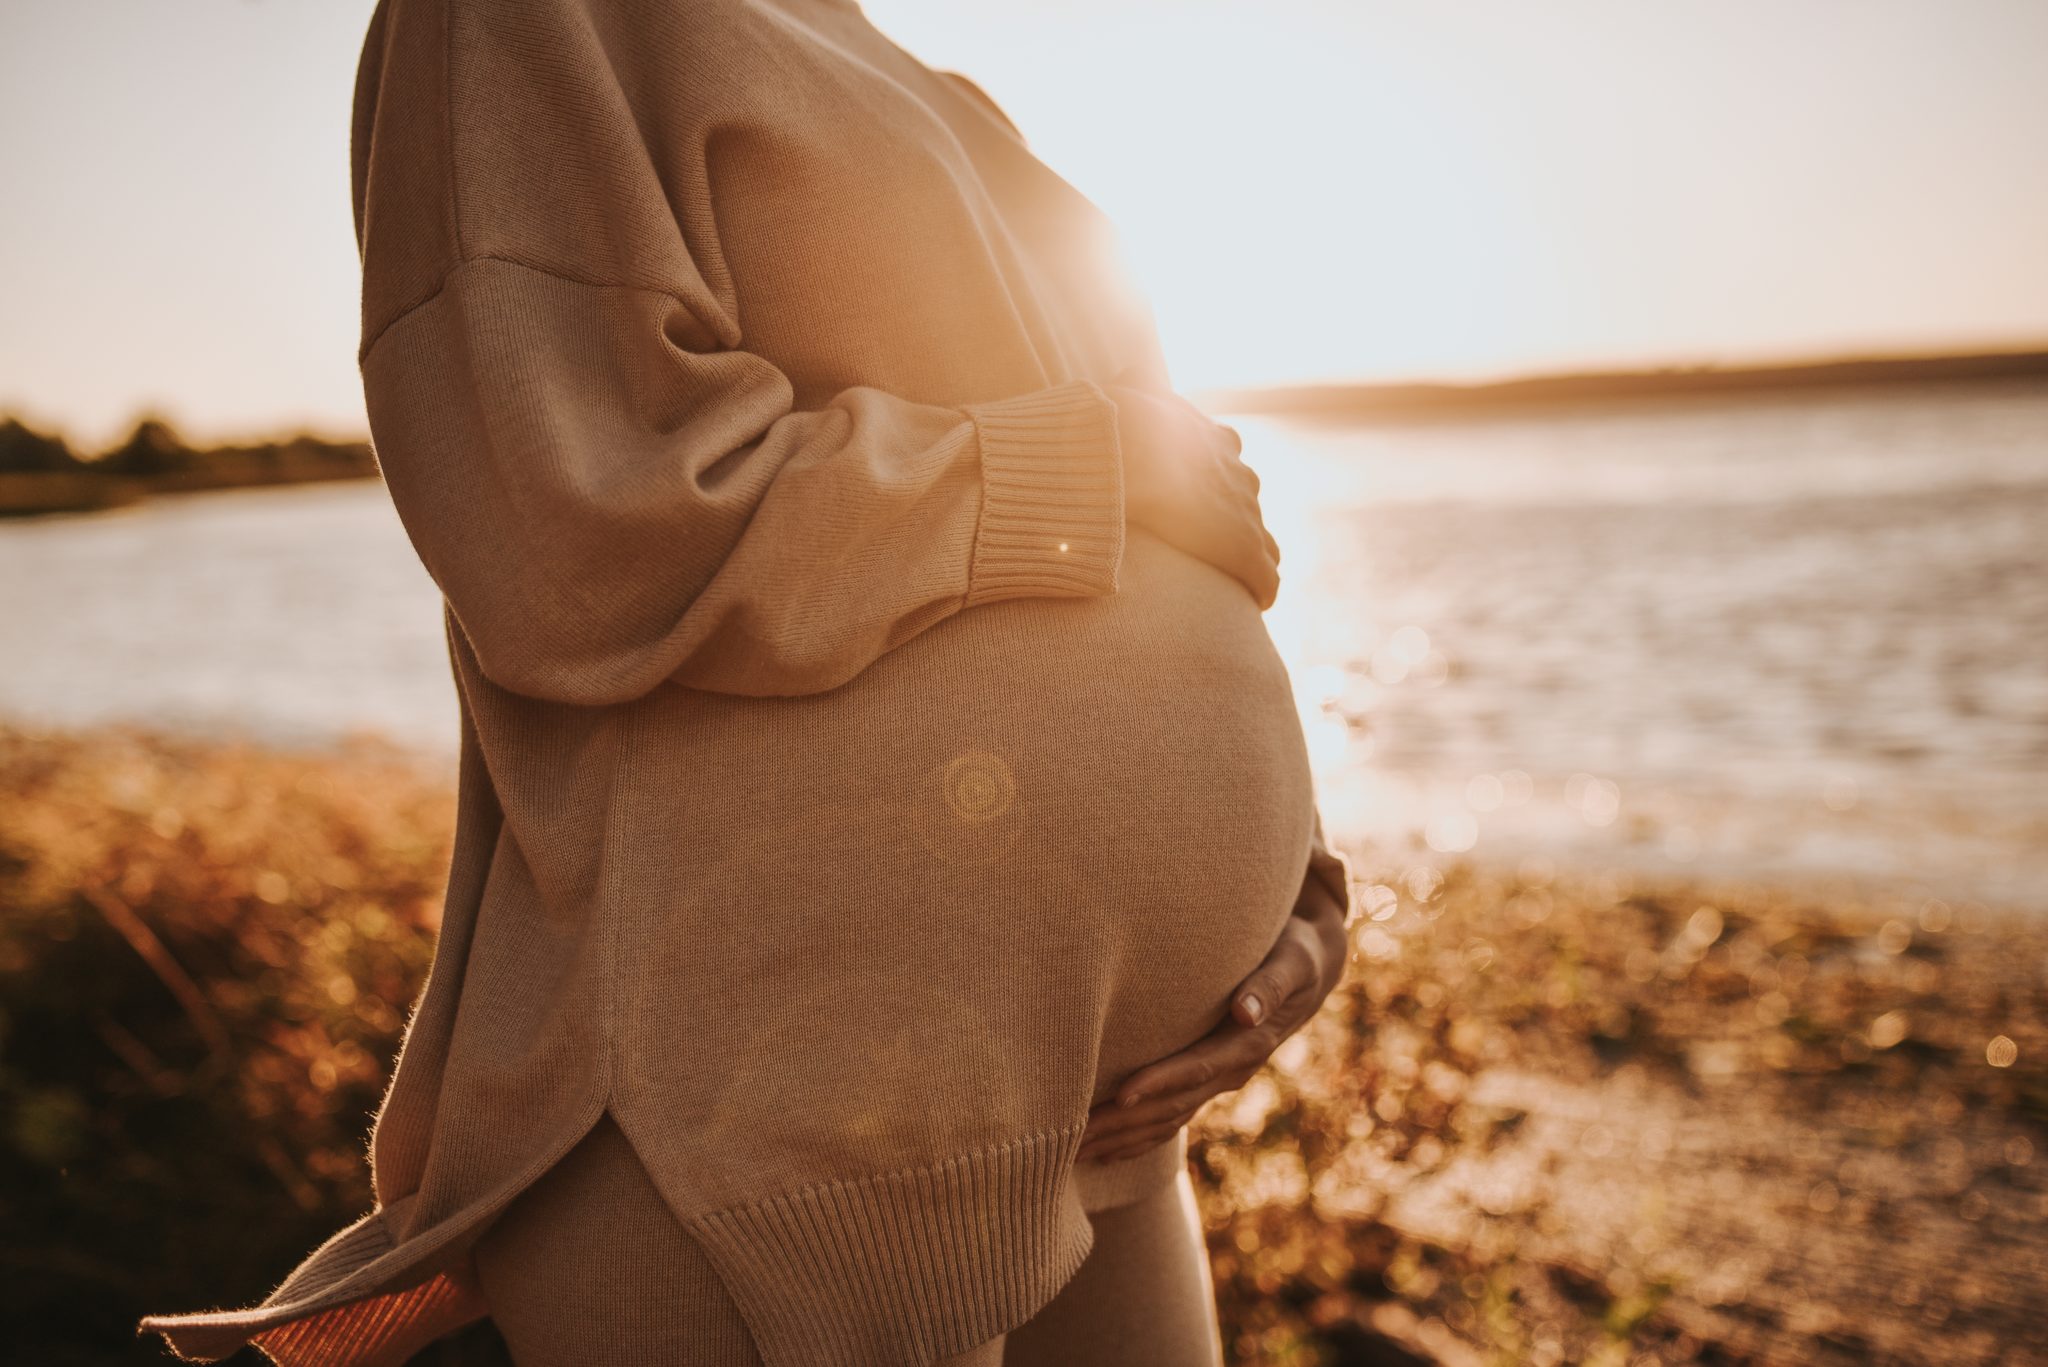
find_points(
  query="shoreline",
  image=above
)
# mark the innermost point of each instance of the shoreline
(1546, 834)
(39, 474)
(26, 495)
(1340, 400)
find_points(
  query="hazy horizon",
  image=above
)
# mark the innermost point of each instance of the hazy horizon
(1371, 192)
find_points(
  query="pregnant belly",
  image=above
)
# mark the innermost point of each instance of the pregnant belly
(1082, 821)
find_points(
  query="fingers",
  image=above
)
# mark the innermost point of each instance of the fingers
(1137, 1141)
(1319, 920)
(1242, 548)
(1114, 1129)
(1259, 553)
(1222, 1059)
(1318, 906)
(1236, 442)
(1287, 969)
(1111, 1124)
(1267, 1006)
(1265, 588)
(1164, 1095)
(1196, 494)
(1256, 560)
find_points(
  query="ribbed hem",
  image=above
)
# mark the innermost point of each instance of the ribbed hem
(905, 1267)
(1052, 511)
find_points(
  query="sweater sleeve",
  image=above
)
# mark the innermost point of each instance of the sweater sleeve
(606, 508)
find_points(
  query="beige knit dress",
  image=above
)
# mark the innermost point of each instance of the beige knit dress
(848, 799)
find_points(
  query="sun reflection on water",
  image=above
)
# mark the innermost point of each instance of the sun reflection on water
(1672, 636)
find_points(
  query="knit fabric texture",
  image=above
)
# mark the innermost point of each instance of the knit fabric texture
(848, 799)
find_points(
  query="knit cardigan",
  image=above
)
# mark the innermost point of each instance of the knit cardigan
(848, 800)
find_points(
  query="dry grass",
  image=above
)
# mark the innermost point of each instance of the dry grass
(205, 959)
(1547, 1119)
(1599, 1121)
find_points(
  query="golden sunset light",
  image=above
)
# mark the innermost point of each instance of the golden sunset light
(1306, 191)
(1391, 191)
(1099, 683)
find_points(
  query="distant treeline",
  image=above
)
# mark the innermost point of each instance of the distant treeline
(39, 472)
(1363, 400)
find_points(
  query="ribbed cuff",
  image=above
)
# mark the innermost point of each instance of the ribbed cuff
(1052, 510)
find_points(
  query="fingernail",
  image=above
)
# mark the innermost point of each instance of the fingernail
(1254, 1008)
(1130, 1098)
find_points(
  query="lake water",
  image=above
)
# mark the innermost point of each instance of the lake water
(1800, 635)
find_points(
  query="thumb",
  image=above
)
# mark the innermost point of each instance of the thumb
(1285, 971)
(1258, 995)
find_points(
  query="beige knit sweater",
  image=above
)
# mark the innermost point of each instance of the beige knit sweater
(848, 799)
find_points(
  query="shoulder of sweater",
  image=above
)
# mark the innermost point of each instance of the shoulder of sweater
(518, 131)
(561, 54)
(983, 98)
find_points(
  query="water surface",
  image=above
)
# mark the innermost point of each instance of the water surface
(1787, 633)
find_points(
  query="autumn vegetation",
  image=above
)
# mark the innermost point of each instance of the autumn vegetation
(1550, 1117)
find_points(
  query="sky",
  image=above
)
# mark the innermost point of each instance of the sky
(1308, 190)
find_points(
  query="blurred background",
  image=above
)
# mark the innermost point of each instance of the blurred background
(1652, 405)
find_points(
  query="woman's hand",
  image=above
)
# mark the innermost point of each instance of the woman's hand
(1184, 482)
(1278, 998)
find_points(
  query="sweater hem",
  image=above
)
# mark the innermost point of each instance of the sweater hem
(909, 1266)
(890, 1269)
